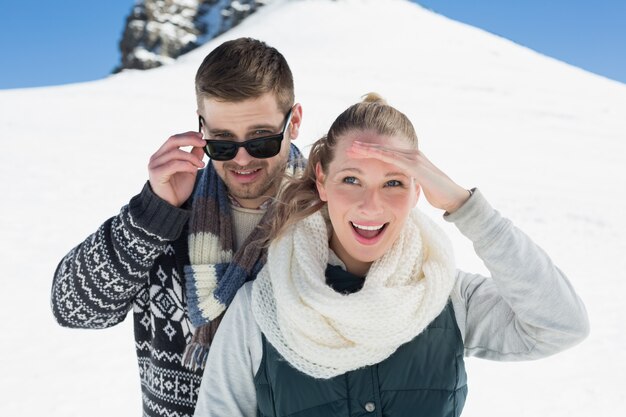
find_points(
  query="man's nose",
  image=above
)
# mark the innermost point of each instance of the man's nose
(242, 158)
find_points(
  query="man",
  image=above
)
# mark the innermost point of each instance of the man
(189, 235)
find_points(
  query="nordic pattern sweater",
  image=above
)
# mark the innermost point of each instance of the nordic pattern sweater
(135, 261)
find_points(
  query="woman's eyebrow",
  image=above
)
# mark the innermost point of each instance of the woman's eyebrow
(396, 174)
(357, 170)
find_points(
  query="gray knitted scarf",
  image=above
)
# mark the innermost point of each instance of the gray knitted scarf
(216, 272)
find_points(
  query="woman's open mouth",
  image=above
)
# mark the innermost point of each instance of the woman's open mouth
(368, 234)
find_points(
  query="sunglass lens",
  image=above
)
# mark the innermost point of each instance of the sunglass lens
(221, 151)
(264, 148)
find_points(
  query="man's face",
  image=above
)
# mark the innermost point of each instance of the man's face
(250, 180)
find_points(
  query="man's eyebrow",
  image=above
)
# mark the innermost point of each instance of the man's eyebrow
(267, 126)
(215, 131)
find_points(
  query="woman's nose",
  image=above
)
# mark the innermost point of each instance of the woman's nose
(371, 202)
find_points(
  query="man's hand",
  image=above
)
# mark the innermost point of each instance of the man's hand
(172, 171)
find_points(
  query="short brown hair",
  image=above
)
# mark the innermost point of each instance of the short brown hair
(242, 69)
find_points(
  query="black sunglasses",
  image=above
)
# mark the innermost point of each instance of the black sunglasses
(264, 147)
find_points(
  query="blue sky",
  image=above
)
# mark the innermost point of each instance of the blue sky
(59, 42)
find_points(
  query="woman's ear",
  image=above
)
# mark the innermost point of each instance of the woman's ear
(319, 182)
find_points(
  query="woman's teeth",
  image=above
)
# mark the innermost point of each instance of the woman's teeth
(358, 226)
(368, 232)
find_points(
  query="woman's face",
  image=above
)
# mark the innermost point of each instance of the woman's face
(368, 201)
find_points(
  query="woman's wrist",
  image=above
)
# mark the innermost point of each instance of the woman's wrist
(462, 195)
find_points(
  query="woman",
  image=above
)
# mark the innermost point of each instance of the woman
(359, 308)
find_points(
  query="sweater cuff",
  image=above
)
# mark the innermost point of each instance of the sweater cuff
(476, 219)
(157, 216)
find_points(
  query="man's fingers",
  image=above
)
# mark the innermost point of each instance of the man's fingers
(178, 141)
(198, 152)
(174, 155)
(162, 173)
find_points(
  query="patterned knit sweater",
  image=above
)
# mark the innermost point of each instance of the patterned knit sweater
(135, 260)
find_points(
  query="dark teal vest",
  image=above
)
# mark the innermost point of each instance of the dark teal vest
(424, 377)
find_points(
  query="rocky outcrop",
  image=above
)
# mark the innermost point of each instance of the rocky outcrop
(158, 31)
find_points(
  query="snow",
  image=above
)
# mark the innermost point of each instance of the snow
(145, 55)
(240, 7)
(543, 140)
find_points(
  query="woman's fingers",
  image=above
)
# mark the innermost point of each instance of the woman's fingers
(376, 149)
(405, 157)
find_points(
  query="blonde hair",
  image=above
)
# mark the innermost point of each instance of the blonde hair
(299, 198)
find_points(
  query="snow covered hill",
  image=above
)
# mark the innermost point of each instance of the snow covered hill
(543, 140)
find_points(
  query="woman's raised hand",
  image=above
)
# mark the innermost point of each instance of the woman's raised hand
(440, 191)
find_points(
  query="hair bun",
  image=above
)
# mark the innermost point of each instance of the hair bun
(372, 97)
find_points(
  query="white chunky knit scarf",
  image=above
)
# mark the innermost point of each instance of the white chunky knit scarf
(324, 333)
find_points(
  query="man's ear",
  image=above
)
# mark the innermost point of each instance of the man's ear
(296, 120)
(319, 182)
